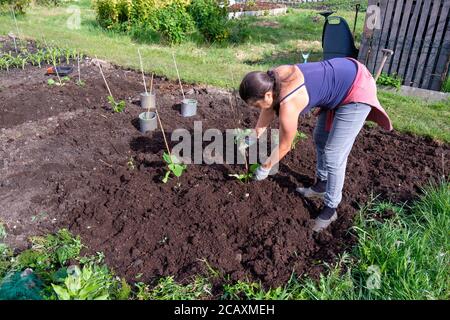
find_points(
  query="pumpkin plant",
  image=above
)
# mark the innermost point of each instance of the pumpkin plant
(173, 166)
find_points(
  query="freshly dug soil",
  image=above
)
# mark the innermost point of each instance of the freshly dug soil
(256, 7)
(64, 158)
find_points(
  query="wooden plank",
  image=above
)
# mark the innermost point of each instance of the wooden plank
(367, 36)
(417, 42)
(385, 31)
(429, 72)
(375, 48)
(402, 35)
(409, 39)
(443, 62)
(392, 36)
(428, 43)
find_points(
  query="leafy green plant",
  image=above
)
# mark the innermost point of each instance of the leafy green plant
(390, 80)
(89, 283)
(211, 19)
(298, 137)
(117, 106)
(173, 166)
(246, 177)
(174, 22)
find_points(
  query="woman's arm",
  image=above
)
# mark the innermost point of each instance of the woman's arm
(288, 128)
(265, 118)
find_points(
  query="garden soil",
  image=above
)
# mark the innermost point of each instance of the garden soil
(65, 163)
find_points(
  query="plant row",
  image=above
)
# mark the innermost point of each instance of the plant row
(48, 55)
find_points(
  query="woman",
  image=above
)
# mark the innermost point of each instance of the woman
(344, 94)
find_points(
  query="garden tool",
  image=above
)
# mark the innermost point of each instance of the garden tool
(62, 70)
(386, 54)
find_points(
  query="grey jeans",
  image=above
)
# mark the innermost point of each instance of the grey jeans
(334, 147)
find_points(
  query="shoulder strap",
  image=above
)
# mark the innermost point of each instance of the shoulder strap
(292, 92)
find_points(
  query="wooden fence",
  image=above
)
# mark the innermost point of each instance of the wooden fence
(418, 33)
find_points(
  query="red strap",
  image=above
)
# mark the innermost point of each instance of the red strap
(329, 120)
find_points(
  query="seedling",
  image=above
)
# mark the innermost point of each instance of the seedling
(130, 164)
(173, 165)
(298, 136)
(245, 177)
(79, 82)
(117, 106)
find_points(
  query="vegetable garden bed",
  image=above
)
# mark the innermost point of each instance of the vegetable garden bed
(67, 160)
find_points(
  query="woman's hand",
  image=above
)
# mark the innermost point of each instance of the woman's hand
(261, 173)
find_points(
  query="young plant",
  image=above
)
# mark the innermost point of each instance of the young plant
(79, 82)
(245, 177)
(174, 167)
(116, 106)
(298, 136)
(131, 164)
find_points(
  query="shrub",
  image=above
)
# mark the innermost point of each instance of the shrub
(19, 6)
(141, 17)
(174, 22)
(211, 19)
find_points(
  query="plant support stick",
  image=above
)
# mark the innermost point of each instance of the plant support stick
(103, 76)
(178, 74)
(142, 70)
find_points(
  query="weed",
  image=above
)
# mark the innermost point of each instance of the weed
(131, 164)
(298, 137)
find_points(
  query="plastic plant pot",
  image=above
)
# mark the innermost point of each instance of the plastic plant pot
(147, 122)
(148, 100)
(188, 107)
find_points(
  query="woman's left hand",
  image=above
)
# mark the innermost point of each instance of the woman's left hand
(261, 173)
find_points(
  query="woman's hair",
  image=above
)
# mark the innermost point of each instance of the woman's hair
(256, 84)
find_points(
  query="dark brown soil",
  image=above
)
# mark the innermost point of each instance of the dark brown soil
(258, 5)
(64, 161)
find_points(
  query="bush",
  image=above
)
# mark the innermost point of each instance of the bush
(211, 19)
(19, 6)
(141, 17)
(174, 22)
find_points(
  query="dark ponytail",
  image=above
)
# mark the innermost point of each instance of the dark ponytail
(256, 84)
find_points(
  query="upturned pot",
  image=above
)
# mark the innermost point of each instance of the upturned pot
(147, 121)
(148, 100)
(188, 107)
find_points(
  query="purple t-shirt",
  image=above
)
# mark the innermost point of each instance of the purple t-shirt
(328, 82)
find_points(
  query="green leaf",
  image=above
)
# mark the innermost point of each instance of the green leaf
(62, 293)
(167, 158)
(51, 82)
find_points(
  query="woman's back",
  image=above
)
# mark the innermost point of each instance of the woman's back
(328, 82)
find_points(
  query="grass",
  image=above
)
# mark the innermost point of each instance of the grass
(273, 41)
(413, 115)
(402, 253)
